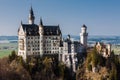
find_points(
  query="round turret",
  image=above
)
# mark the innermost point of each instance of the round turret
(83, 35)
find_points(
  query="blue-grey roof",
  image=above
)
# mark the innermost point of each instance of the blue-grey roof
(33, 30)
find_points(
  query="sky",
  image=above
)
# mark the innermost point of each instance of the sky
(102, 17)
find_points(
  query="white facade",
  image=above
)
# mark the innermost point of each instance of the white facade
(68, 52)
(38, 40)
(83, 35)
(51, 44)
(103, 49)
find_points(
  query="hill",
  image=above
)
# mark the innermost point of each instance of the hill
(97, 67)
(45, 68)
(93, 67)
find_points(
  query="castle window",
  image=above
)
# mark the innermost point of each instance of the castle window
(28, 45)
(56, 38)
(21, 44)
(28, 42)
(28, 38)
(53, 38)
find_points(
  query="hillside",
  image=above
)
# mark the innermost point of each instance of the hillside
(49, 68)
(45, 68)
(96, 67)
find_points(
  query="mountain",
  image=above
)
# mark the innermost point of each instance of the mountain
(8, 39)
(115, 40)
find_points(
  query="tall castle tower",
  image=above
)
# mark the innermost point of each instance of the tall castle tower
(31, 16)
(41, 32)
(83, 35)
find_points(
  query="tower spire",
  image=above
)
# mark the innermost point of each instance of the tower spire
(41, 23)
(31, 16)
(21, 22)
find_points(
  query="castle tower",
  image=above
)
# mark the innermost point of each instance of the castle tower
(31, 16)
(83, 35)
(109, 49)
(22, 41)
(41, 31)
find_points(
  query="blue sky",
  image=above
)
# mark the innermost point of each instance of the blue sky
(102, 17)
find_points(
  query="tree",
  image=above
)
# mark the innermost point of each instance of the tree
(89, 67)
(12, 56)
(113, 72)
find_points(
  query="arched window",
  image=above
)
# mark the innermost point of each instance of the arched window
(21, 44)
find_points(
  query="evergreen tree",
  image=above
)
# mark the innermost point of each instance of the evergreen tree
(12, 56)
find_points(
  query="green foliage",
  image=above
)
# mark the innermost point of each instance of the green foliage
(89, 67)
(61, 68)
(12, 56)
(116, 60)
(38, 68)
(4, 53)
(46, 68)
(108, 64)
(95, 59)
(113, 72)
(7, 52)
(89, 57)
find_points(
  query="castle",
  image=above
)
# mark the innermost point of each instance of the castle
(39, 40)
(103, 49)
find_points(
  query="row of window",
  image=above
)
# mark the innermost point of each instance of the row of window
(21, 47)
(38, 37)
(33, 49)
(21, 53)
(33, 46)
(32, 53)
(37, 53)
(31, 42)
(53, 38)
(47, 45)
(51, 48)
(51, 52)
(31, 37)
(49, 41)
